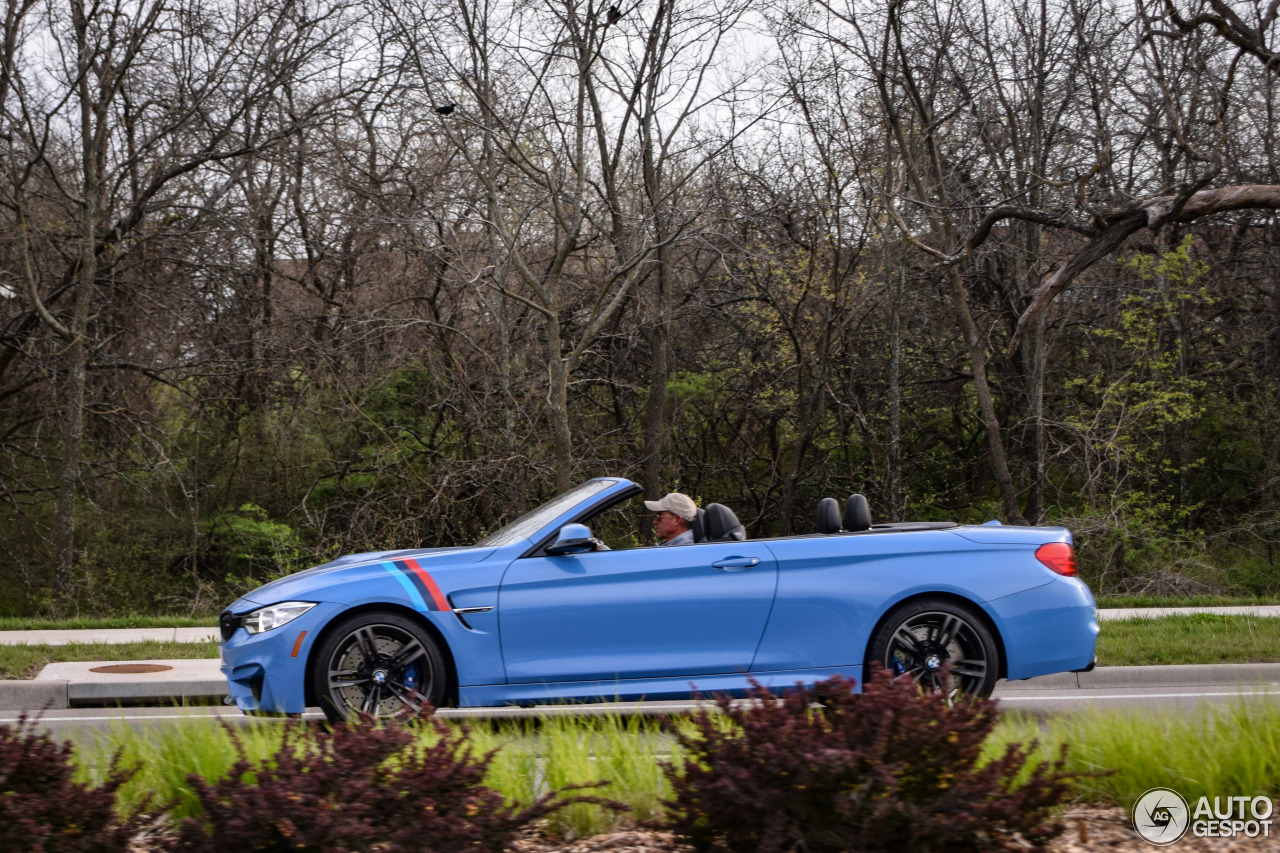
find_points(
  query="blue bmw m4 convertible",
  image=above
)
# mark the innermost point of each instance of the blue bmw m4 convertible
(563, 604)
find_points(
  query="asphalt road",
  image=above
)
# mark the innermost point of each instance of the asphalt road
(76, 723)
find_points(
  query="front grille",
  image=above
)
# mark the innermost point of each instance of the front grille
(228, 622)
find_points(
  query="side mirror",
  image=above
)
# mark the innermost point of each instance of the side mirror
(573, 539)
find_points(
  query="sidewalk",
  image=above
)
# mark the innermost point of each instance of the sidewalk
(1112, 613)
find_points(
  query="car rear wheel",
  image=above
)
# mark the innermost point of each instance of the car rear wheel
(380, 664)
(944, 646)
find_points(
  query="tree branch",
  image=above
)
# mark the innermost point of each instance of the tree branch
(1151, 213)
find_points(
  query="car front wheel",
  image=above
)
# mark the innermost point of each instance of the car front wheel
(944, 646)
(380, 664)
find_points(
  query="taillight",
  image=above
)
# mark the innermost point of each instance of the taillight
(1059, 557)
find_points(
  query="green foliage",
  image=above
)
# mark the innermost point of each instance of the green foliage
(256, 544)
(1131, 423)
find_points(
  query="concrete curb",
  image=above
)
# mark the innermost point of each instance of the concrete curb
(180, 681)
(33, 695)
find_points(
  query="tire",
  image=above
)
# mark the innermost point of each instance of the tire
(920, 638)
(377, 663)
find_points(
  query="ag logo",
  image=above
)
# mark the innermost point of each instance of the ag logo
(1161, 816)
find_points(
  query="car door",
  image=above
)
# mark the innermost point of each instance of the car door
(641, 613)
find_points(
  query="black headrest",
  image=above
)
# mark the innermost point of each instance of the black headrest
(828, 516)
(722, 525)
(857, 513)
(699, 526)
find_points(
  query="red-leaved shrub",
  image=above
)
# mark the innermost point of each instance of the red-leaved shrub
(43, 809)
(829, 770)
(365, 786)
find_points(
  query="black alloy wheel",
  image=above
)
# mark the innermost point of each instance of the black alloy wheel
(943, 646)
(379, 664)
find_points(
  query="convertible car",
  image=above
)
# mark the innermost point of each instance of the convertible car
(565, 604)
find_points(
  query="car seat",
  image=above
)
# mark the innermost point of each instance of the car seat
(722, 525)
(857, 513)
(699, 526)
(828, 516)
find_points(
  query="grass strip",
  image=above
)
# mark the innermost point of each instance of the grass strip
(12, 623)
(26, 661)
(1198, 638)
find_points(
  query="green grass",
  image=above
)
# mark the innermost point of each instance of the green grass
(1196, 638)
(26, 661)
(12, 623)
(1212, 750)
(1215, 750)
(164, 755)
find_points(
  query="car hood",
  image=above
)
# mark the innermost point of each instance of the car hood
(303, 585)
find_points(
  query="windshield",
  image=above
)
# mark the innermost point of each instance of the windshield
(531, 522)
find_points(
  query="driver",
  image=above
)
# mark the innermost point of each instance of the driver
(673, 519)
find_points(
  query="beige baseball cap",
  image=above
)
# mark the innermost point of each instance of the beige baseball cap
(681, 505)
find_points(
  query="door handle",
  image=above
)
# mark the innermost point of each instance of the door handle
(734, 563)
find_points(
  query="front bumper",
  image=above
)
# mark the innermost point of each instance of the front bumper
(267, 673)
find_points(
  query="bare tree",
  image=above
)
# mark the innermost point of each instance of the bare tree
(559, 108)
(110, 127)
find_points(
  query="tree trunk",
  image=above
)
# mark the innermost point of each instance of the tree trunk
(986, 407)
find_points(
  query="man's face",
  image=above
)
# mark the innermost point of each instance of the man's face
(668, 525)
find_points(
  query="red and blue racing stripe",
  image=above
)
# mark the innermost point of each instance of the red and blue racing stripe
(418, 583)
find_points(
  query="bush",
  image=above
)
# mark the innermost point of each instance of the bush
(43, 809)
(366, 786)
(828, 770)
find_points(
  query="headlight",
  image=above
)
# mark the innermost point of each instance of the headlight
(267, 618)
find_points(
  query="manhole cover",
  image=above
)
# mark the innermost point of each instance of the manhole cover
(131, 668)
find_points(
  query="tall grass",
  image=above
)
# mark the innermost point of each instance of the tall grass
(1230, 749)
(558, 752)
(164, 755)
(1212, 750)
